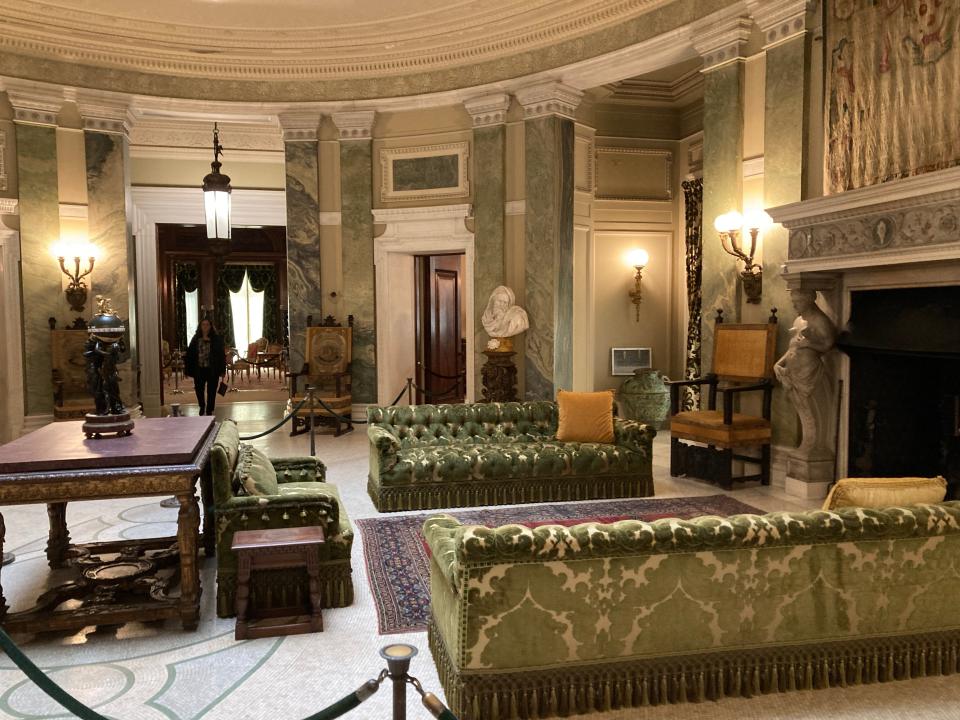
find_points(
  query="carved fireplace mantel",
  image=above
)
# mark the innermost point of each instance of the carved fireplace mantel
(915, 219)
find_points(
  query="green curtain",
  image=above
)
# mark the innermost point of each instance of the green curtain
(229, 279)
(693, 229)
(186, 278)
(263, 278)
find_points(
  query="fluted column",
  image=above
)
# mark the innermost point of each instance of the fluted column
(489, 195)
(548, 159)
(356, 233)
(304, 294)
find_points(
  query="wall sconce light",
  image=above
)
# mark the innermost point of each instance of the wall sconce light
(216, 202)
(638, 258)
(76, 291)
(732, 226)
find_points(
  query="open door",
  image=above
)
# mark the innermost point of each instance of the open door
(441, 344)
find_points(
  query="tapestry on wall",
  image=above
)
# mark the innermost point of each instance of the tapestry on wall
(693, 230)
(893, 90)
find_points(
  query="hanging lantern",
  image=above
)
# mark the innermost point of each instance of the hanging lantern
(216, 202)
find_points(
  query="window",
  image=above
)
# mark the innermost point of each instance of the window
(247, 308)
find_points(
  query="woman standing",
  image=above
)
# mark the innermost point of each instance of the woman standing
(206, 363)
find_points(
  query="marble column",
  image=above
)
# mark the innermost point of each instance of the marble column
(356, 232)
(39, 230)
(548, 177)
(489, 196)
(721, 40)
(108, 199)
(304, 295)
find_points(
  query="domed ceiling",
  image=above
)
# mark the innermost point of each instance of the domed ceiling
(316, 49)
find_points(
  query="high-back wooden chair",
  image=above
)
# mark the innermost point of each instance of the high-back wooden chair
(743, 358)
(329, 352)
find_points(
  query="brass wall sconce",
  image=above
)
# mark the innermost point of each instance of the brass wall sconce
(638, 258)
(76, 291)
(732, 226)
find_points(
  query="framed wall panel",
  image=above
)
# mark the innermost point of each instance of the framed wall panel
(626, 173)
(427, 172)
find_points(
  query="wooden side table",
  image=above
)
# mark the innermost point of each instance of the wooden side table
(277, 549)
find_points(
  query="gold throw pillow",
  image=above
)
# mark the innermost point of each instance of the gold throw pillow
(885, 492)
(585, 416)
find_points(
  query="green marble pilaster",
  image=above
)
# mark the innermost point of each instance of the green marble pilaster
(722, 181)
(489, 197)
(356, 232)
(40, 276)
(784, 178)
(303, 242)
(108, 184)
(548, 152)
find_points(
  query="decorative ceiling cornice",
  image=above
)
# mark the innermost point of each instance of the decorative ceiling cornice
(549, 98)
(299, 124)
(721, 38)
(355, 125)
(488, 109)
(779, 20)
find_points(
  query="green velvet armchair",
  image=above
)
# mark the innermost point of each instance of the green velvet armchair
(303, 499)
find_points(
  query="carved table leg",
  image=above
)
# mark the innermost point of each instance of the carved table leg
(206, 497)
(58, 541)
(3, 601)
(188, 531)
(243, 594)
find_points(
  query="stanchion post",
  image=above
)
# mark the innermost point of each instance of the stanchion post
(398, 657)
(313, 435)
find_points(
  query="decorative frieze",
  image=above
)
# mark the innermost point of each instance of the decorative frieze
(549, 98)
(356, 125)
(779, 20)
(9, 206)
(488, 109)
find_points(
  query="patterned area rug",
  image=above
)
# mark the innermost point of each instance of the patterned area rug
(398, 563)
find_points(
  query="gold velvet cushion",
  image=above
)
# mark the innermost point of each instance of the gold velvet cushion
(585, 416)
(885, 492)
(255, 473)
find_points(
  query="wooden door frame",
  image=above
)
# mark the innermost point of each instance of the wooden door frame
(421, 263)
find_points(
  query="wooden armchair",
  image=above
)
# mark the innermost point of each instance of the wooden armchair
(743, 357)
(329, 352)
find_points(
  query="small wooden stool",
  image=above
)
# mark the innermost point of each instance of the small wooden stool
(277, 549)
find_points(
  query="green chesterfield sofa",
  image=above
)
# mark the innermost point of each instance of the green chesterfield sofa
(532, 623)
(439, 456)
(304, 500)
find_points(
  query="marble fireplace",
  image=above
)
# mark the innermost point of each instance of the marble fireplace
(885, 262)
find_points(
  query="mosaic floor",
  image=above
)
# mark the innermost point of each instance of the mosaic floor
(158, 672)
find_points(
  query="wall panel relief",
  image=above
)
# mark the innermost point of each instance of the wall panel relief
(428, 172)
(626, 173)
(893, 88)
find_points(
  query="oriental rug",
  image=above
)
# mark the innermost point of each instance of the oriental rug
(398, 562)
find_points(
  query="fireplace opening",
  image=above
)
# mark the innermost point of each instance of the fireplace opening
(904, 416)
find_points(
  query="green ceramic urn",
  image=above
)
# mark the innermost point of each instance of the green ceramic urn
(645, 397)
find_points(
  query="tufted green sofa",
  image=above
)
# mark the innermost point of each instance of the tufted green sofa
(551, 621)
(436, 456)
(304, 500)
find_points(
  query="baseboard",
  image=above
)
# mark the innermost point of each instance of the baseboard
(358, 411)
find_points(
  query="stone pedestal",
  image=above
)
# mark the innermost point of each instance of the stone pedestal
(809, 476)
(499, 377)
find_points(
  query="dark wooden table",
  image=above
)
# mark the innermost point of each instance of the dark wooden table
(277, 549)
(123, 580)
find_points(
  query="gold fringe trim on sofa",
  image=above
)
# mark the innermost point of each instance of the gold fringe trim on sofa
(472, 493)
(571, 690)
(288, 588)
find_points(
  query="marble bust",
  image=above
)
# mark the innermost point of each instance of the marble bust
(503, 318)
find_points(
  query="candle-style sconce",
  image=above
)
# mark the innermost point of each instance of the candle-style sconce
(76, 291)
(638, 258)
(732, 226)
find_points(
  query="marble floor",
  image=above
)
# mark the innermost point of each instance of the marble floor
(159, 672)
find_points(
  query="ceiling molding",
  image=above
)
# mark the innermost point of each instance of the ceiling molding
(488, 109)
(779, 20)
(153, 152)
(549, 98)
(355, 125)
(721, 37)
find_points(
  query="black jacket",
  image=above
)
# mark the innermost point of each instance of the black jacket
(218, 356)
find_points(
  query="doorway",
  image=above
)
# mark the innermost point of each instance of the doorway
(441, 343)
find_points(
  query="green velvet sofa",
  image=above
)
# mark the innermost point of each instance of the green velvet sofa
(440, 456)
(303, 500)
(532, 623)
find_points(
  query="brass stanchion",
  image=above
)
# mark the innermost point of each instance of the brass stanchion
(398, 657)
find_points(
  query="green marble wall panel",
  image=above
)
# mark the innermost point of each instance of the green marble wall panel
(784, 178)
(40, 276)
(107, 194)
(303, 242)
(356, 232)
(548, 150)
(489, 197)
(722, 177)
